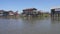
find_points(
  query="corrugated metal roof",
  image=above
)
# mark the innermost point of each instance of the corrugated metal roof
(30, 9)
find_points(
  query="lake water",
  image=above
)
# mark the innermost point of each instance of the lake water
(29, 26)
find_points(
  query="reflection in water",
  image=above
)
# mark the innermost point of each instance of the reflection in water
(55, 19)
(29, 26)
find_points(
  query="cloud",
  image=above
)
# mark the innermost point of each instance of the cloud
(55, 7)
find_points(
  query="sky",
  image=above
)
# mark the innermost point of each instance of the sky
(19, 5)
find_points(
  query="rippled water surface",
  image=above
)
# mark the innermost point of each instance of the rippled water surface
(29, 26)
